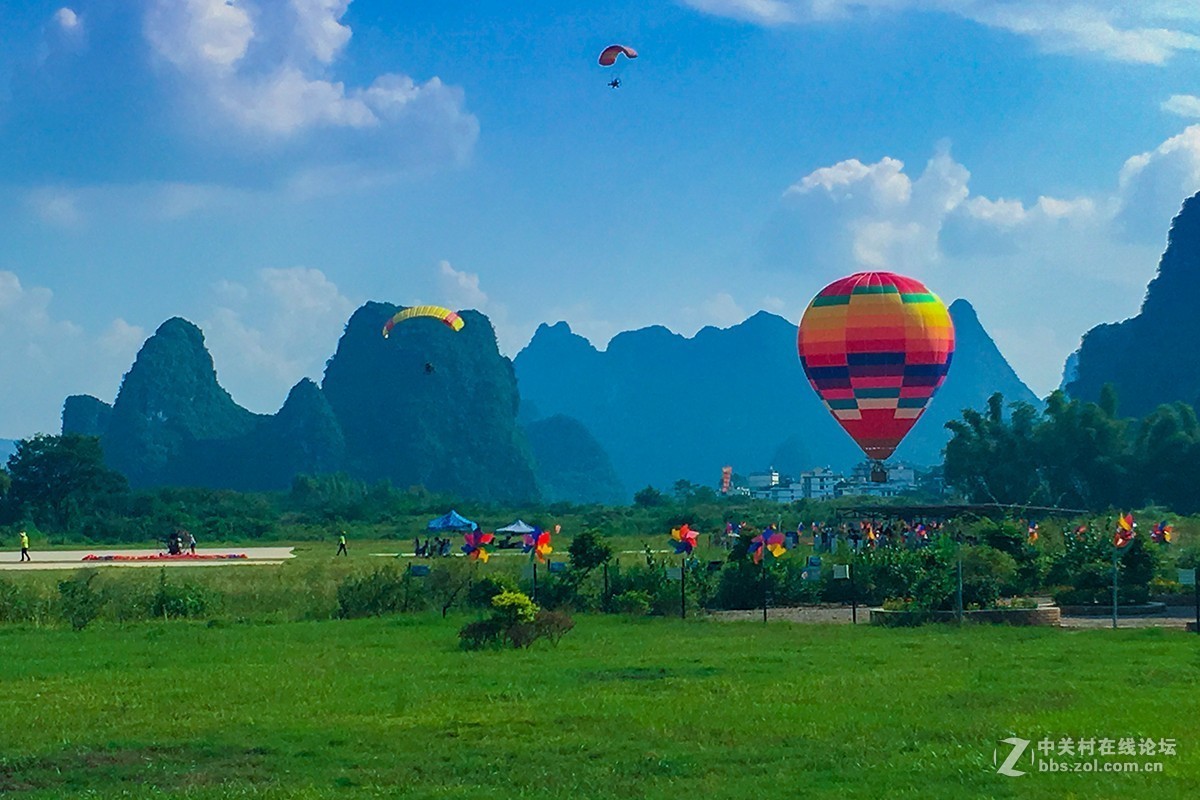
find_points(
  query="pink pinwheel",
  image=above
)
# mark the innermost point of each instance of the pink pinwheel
(475, 540)
(538, 543)
(769, 540)
(684, 538)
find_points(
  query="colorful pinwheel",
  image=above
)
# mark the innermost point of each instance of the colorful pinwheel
(475, 540)
(538, 545)
(769, 540)
(1125, 530)
(1161, 533)
(684, 538)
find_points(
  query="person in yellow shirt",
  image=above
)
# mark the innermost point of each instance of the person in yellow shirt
(342, 544)
(24, 546)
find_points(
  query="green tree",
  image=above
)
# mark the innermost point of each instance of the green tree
(649, 498)
(57, 481)
(588, 551)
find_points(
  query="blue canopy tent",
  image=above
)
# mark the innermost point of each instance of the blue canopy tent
(451, 522)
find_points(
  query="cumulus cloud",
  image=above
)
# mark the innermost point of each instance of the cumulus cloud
(894, 220)
(460, 288)
(268, 69)
(45, 359)
(1040, 273)
(67, 20)
(1183, 105)
(268, 333)
(1147, 33)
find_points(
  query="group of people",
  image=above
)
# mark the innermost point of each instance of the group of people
(828, 538)
(180, 540)
(433, 547)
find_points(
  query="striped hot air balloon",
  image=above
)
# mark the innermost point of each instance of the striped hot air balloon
(876, 346)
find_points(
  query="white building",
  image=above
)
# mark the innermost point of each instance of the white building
(820, 483)
(763, 480)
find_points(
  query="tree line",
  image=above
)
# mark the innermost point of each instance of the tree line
(1076, 454)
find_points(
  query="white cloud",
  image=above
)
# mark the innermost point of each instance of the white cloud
(1183, 105)
(460, 289)
(1040, 274)
(74, 208)
(267, 334)
(721, 310)
(45, 359)
(68, 20)
(1152, 184)
(1148, 33)
(55, 205)
(267, 69)
(894, 220)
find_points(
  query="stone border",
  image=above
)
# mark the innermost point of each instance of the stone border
(1101, 610)
(1044, 615)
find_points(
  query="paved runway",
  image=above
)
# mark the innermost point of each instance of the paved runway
(74, 559)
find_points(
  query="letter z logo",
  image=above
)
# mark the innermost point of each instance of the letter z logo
(1018, 749)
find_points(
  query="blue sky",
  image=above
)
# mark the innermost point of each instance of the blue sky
(263, 167)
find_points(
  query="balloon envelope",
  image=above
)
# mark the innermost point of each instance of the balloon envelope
(876, 346)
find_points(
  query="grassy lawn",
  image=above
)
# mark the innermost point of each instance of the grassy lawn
(622, 708)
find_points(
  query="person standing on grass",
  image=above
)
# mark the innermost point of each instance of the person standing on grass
(24, 546)
(341, 551)
(191, 542)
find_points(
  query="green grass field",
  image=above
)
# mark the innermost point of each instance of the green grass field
(621, 708)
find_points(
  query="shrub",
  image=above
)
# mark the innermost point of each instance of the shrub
(482, 591)
(480, 634)
(80, 603)
(371, 594)
(515, 621)
(634, 602)
(20, 603)
(513, 607)
(553, 625)
(179, 600)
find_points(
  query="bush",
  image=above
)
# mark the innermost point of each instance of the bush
(634, 602)
(482, 591)
(179, 600)
(512, 608)
(515, 621)
(19, 603)
(553, 625)
(480, 634)
(372, 594)
(80, 603)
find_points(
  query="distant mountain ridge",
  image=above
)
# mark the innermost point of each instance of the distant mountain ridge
(1151, 358)
(426, 406)
(667, 407)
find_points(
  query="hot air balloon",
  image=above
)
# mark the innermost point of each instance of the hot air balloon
(876, 346)
(450, 318)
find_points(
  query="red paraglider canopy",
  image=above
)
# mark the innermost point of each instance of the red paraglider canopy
(608, 56)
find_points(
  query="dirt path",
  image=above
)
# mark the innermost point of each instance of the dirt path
(74, 559)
